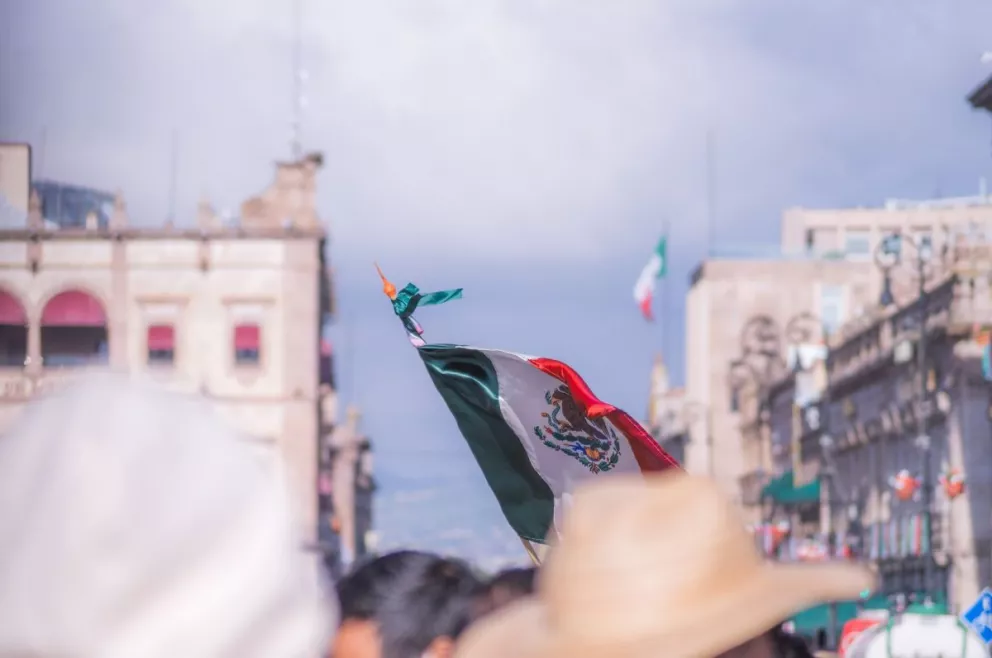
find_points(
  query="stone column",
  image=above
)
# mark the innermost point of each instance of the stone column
(117, 310)
(33, 363)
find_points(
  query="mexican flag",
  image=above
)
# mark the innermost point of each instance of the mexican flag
(655, 269)
(536, 430)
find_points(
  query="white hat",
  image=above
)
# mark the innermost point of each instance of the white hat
(134, 524)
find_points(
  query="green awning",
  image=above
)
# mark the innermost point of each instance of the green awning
(817, 618)
(783, 490)
(810, 621)
(778, 485)
(808, 493)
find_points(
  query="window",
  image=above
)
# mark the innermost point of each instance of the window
(857, 243)
(73, 330)
(247, 344)
(832, 303)
(810, 240)
(161, 345)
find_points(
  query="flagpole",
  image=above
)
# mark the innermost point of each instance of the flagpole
(531, 552)
(663, 297)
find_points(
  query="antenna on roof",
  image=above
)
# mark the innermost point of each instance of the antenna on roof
(38, 173)
(299, 78)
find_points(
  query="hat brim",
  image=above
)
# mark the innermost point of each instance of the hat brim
(707, 626)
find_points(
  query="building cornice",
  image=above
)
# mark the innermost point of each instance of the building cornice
(134, 234)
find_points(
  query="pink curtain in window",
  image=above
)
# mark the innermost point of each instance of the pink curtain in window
(11, 310)
(73, 308)
(247, 337)
(161, 337)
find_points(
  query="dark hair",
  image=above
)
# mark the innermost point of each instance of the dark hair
(413, 597)
(519, 582)
(788, 645)
(505, 587)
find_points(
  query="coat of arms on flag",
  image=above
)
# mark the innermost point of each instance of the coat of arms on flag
(533, 425)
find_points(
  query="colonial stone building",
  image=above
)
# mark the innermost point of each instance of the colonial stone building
(736, 312)
(347, 488)
(669, 413)
(230, 309)
(844, 466)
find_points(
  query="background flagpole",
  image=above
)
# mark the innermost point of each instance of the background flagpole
(663, 296)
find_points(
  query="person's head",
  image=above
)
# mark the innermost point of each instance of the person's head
(775, 643)
(506, 587)
(406, 604)
(657, 565)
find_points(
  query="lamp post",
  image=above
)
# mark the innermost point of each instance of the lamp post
(888, 255)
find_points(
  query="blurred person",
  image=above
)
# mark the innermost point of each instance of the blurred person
(405, 604)
(658, 566)
(134, 524)
(776, 643)
(504, 588)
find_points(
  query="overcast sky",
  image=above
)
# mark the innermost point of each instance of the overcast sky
(526, 150)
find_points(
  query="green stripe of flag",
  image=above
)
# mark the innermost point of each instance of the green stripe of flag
(467, 381)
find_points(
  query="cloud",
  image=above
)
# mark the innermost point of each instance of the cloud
(555, 127)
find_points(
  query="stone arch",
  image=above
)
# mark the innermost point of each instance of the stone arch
(13, 330)
(74, 307)
(13, 311)
(73, 328)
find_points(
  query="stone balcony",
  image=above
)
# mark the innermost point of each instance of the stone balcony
(18, 385)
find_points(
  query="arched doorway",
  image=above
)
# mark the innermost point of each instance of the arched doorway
(73, 330)
(13, 331)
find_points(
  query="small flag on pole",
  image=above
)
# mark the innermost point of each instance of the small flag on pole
(655, 269)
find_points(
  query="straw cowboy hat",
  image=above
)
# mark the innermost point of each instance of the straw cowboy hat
(656, 567)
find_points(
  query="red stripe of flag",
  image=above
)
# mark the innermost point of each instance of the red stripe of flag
(650, 456)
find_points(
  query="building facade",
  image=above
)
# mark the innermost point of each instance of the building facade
(232, 312)
(737, 315)
(347, 489)
(669, 412)
(854, 233)
(847, 468)
(15, 184)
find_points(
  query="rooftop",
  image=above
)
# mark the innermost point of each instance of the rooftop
(758, 257)
(61, 211)
(982, 199)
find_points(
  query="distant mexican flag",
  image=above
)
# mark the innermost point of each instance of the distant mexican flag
(655, 269)
(533, 425)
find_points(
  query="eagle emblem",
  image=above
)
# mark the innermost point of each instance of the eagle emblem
(591, 441)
